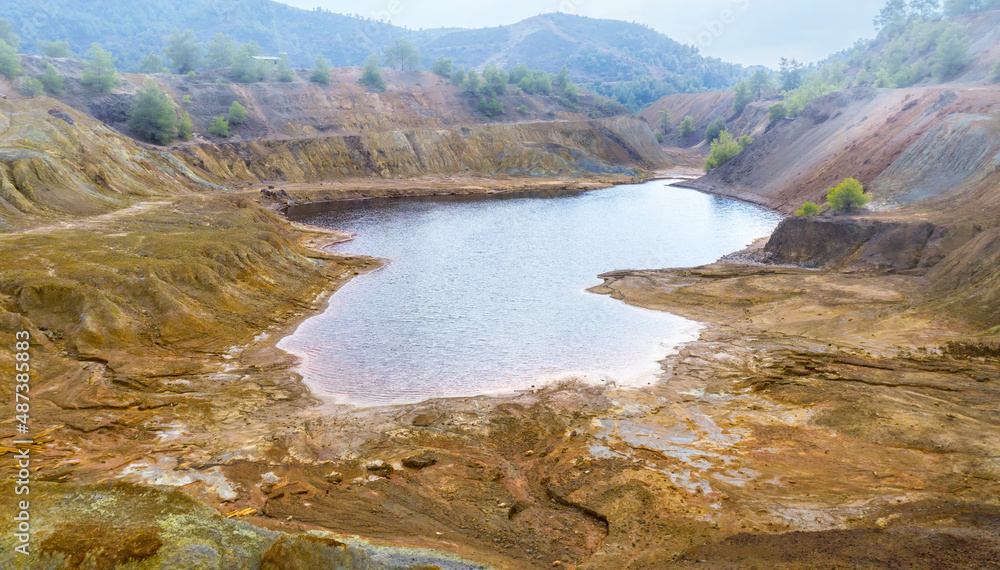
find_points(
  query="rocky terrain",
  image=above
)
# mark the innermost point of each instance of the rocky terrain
(839, 409)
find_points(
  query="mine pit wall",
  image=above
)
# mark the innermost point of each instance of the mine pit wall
(621, 145)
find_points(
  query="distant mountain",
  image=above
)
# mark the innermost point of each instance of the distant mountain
(645, 63)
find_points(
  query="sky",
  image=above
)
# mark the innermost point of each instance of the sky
(751, 32)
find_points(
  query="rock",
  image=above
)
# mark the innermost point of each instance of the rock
(268, 481)
(420, 461)
(334, 477)
(379, 467)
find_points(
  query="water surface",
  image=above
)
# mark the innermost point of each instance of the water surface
(484, 295)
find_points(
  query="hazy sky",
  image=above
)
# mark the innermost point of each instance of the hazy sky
(741, 31)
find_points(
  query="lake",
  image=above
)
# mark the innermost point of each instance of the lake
(488, 294)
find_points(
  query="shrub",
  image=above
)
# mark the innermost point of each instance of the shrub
(686, 127)
(847, 196)
(284, 71)
(184, 50)
(777, 111)
(219, 127)
(743, 95)
(55, 49)
(321, 71)
(52, 81)
(244, 68)
(714, 129)
(808, 209)
(29, 86)
(523, 109)
(191, 75)
(186, 99)
(458, 76)
(152, 114)
(659, 137)
(100, 72)
(371, 74)
(995, 72)
(237, 114)
(152, 63)
(950, 58)
(491, 107)
(10, 61)
(725, 149)
(443, 66)
(185, 128)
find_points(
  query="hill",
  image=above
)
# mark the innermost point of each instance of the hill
(630, 62)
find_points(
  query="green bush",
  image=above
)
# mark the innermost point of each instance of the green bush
(219, 127)
(686, 127)
(55, 49)
(659, 137)
(237, 114)
(185, 128)
(152, 63)
(950, 57)
(191, 75)
(443, 66)
(777, 111)
(808, 209)
(29, 86)
(523, 109)
(743, 95)
(995, 72)
(100, 73)
(321, 71)
(52, 81)
(371, 74)
(244, 68)
(10, 61)
(458, 76)
(847, 196)
(186, 99)
(714, 129)
(491, 107)
(284, 71)
(184, 50)
(724, 149)
(152, 114)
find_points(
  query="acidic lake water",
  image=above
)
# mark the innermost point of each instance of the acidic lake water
(484, 295)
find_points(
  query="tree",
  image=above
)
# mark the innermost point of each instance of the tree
(686, 128)
(924, 9)
(458, 76)
(995, 72)
(714, 129)
(777, 111)
(790, 74)
(491, 107)
(152, 63)
(185, 128)
(371, 74)
(961, 7)
(284, 71)
(29, 86)
(724, 149)
(950, 57)
(8, 36)
(443, 66)
(219, 127)
(100, 73)
(237, 114)
(55, 49)
(742, 96)
(666, 121)
(10, 60)
(562, 77)
(184, 50)
(892, 17)
(760, 82)
(808, 209)
(152, 114)
(220, 52)
(52, 81)
(495, 80)
(571, 91)
(472, 84)
(321, 71)
(244, 68)
(847, 196)
(403, 54)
